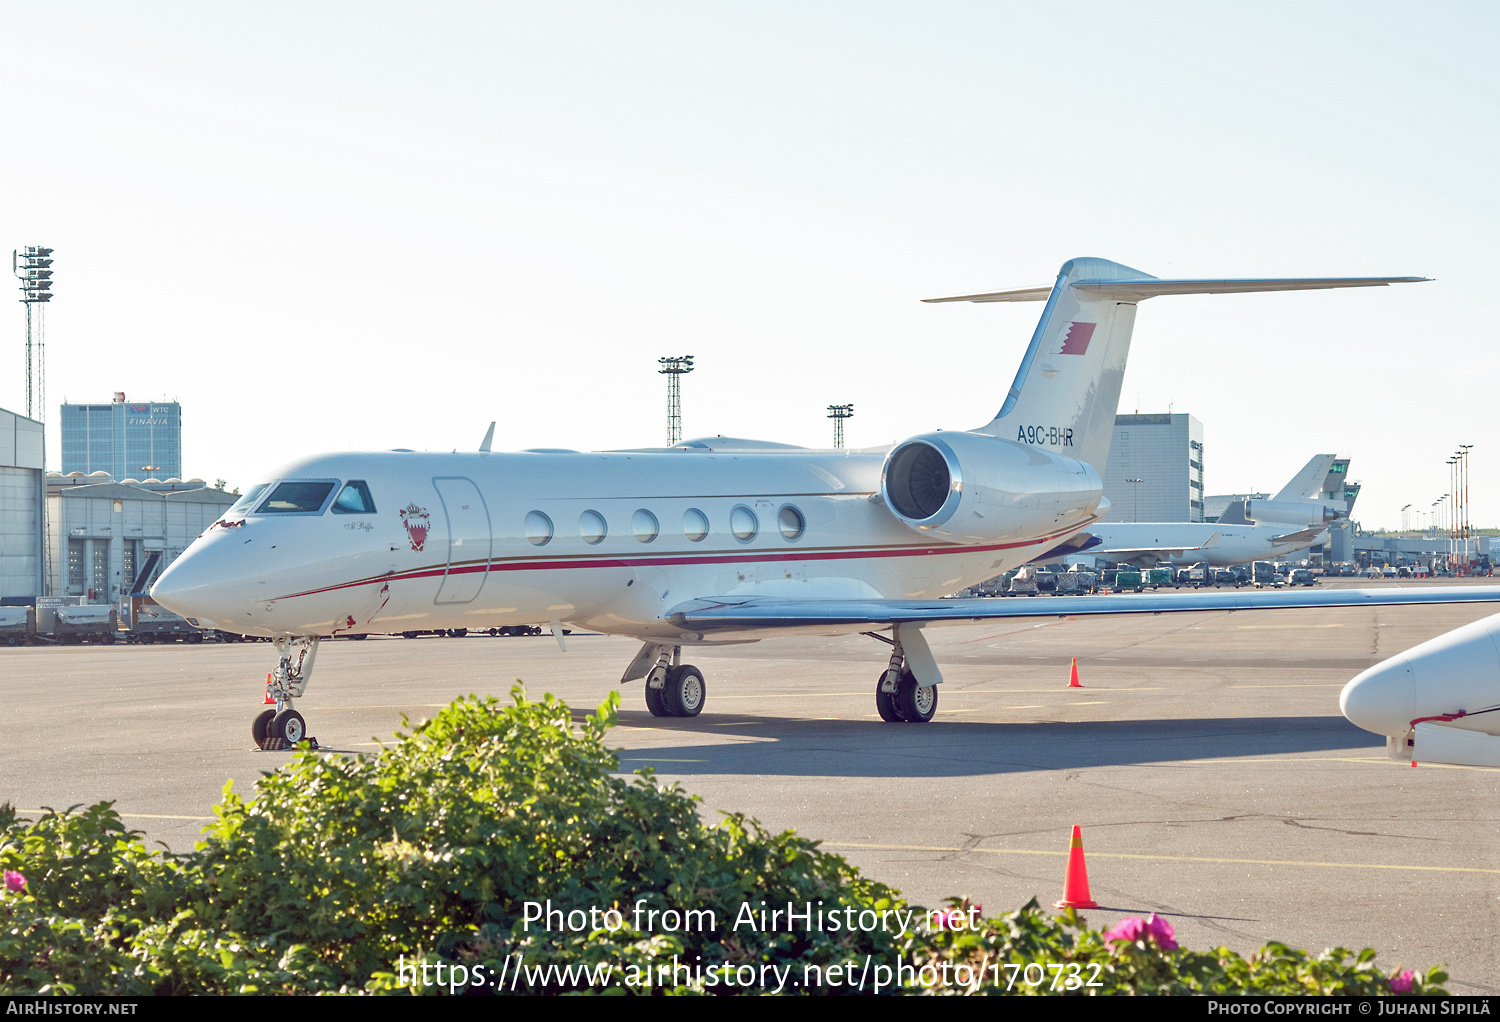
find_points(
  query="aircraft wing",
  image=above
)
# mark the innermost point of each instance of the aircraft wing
(750, 613)
(1305, 536)
(1166, 548)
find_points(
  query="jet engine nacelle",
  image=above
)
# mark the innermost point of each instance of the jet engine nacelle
(1302, 513)
(971, 487)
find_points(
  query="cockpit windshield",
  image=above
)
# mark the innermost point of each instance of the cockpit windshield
(297, 498)
(245, 503)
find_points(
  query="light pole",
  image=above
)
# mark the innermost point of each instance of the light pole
(1463, 482)
(32, 265)
(674, 368)
(838, 413)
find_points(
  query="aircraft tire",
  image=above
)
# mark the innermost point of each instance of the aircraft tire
(916, 704)
(260, 728)
(685, 692)
(655, 701)
(289, 725)
(885, 702)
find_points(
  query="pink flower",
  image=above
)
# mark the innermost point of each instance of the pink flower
(1401, 982)
(16, 883)
(1134, 928)
(1161, 931)
(949, 919)
(1129, 929)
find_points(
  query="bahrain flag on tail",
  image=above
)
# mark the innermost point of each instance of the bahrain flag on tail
(1077, 341)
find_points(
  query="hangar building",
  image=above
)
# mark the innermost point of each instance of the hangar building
(21, 507)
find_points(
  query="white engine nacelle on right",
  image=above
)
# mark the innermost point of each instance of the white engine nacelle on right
(1301, 513)
(977, 488)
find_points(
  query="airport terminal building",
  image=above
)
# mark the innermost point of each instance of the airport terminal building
(127, 440)
(1155, 469)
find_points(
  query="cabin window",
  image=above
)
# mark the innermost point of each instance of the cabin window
(646, 526)
(538, 528)
(694, 524)
(743, 523)
(791, 521)
(591, 527)
(354, 499)
(297, 498)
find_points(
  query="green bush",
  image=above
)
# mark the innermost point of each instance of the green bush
(364, 874)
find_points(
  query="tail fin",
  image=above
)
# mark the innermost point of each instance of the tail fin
(1308, 483)
(1067, 389)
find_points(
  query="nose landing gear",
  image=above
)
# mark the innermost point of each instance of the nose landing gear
(284, 727)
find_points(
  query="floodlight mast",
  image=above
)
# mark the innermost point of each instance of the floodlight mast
(32, 266)
(673, 367)
(838, 413)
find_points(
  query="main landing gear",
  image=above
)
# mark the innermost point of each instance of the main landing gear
(673, 689)
(283, 727)
(898, 695)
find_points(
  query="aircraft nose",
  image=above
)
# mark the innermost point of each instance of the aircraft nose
(190, 585)
(1383, 698)
(1458, 671)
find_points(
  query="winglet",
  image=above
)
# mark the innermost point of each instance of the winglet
(489, 437)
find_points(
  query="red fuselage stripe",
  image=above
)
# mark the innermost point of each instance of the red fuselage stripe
(538, 564)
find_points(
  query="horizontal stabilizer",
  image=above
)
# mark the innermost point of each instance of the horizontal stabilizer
(1140, 288)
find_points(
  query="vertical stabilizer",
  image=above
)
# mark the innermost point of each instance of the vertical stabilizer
(1066, 392)
(1308, 483)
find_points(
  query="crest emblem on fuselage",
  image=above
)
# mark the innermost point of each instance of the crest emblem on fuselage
(416, 521)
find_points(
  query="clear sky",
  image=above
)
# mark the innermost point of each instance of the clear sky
(365, 225)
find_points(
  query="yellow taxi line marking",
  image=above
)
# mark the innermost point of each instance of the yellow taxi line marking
(1319, 685)
(1166, 858)
(132, 816)
(384, 706)
(657, 759)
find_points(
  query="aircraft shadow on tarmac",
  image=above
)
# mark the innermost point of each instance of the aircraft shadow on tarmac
(843, 748)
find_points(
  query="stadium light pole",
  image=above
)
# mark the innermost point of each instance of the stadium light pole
(838, 413)
(674, 368)
(32, 265)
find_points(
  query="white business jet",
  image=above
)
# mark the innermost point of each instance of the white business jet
(1249, 530)
(712, 541)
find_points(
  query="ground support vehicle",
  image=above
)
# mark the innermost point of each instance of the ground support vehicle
(70, 624)
(1023, 583)
(1157, 577)
(146, 621)
(17, 625)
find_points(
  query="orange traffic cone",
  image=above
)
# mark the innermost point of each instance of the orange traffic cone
(269, 701)
(1073, 675)
(1076, 883)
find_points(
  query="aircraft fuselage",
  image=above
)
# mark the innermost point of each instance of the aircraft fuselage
(608, 541)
